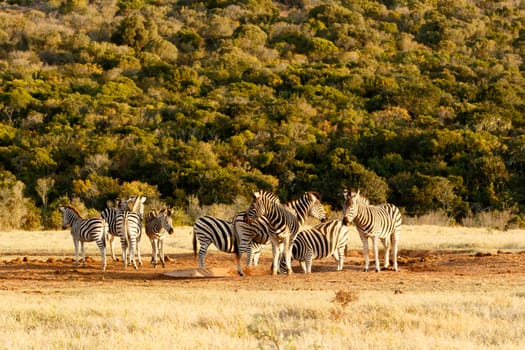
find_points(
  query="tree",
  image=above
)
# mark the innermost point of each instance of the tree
(43, 186)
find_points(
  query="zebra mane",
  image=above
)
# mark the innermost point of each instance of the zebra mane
(74, 210)
(316, 195)
(360, 199)
(267, 194)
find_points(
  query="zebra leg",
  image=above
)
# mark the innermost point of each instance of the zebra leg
(249, 256)
(160, 248)
(394, 251)
(308, 261)
(124, 246)
(102, 247)
(202, 254)
(82, 247)
(276, 255)
(111, 238)
(152, 259)
(340, 253)
(288, 254)
(386, 244)
(375, 246)
(303, 266)
(139, 257)
(132, 248)
(256, 258)
(75, 243)
(364, 240)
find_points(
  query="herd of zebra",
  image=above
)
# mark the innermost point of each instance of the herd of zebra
(266, 220)
(125, 222)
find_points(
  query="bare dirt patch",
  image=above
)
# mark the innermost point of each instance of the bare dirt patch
(420, 270)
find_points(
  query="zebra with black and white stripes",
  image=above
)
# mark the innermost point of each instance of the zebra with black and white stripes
(129, 229)
(317, 242)
(209, 230)
(157, 225)
(285, 223)
(377, 222)
(258, 234)
(85, 230)
(110, 215)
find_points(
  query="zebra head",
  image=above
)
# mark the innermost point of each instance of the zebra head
(263, 202)
(134, 204)
(69, 215)
(350, 206)
(315, 208)
(165, 219)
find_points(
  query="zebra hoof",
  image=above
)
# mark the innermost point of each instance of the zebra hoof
(240, 273)
(377, 270)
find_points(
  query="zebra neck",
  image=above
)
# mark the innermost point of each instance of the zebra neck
(362, 215)
(300, 209)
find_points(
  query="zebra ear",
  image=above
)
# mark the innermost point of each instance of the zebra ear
(256, 194)
(345, 193)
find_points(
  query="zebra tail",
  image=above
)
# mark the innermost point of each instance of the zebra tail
(126, 236)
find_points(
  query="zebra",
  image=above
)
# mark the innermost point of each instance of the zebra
(129, 229)
(157, 224)
(284, 221)
(257, 232)
(319, 241)
(110, 215)
(85, 230)
(211, 230)
(381, 222)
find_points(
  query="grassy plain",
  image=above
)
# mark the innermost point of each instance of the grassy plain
(474, 312)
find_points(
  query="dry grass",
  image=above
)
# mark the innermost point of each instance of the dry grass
(146, 318)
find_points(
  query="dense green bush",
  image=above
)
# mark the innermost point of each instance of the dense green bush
(419, 103)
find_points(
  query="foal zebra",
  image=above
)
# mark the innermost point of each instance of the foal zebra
(157, 224)
(284, 221)
(381, 222)
(129, 229)
(319, 241)
(85, 230)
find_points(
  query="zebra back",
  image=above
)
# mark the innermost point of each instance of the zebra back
(208, 229)
(317, 242)
(323, 239)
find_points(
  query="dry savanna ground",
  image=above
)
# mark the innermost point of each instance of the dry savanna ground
(455, 288)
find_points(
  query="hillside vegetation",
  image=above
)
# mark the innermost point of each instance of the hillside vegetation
(419, 103)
